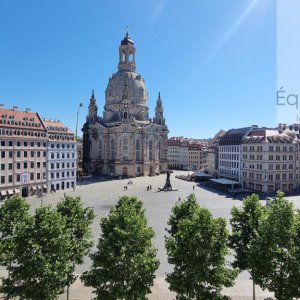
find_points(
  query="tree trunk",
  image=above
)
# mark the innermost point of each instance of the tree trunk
(253, 289)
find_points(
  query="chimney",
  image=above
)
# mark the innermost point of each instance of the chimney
(15, 107)
(28, 109)
(1, 105)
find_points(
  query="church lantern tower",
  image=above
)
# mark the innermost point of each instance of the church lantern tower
(159, 112)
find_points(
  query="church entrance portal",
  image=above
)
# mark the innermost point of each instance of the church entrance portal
(125, 171)
(25, 191)
(151, 170)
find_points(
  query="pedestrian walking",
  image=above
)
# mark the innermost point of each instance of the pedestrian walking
(150, 187)
(193, 187)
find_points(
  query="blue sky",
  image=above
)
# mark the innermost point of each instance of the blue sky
(214, 61)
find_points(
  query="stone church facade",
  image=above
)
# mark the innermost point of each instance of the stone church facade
(125, 141)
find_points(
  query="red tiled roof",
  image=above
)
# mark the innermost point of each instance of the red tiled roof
(10, 118)
(57, 127)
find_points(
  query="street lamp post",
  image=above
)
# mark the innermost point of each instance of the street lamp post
(80, 105)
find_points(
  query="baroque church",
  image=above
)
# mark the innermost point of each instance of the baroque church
(125, 141)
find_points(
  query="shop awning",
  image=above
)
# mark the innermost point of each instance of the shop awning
(201, 174)
(44, 186)
(3, 193)
(17, 191)
(224, 181)
(10, 192)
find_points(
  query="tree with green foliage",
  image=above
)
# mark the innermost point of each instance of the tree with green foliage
(244, 223)
(275, 254)
(125, 261)
(13, 212)
(197, 247)
(78, 221)
(42, 253)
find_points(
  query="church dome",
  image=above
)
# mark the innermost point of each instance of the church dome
(127, 40)
(135, 85)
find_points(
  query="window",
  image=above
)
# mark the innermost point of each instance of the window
(2, 167)
(2, 143)
(18, 153)
(31, 176)
(10, 178)
(10, 166)
(10, 143)
(18, 177)
(32, 153)
(32, 144)
(38, 176)
(25, 165)
(25, 143)
(18, 166)
(10, 154)
(2, 179)
(2, 154)
(38, 144)
(31, 164)
(44, 164)
(44, 153)
(25, 153)
(38, 153)
(52, 146)
(18, 144)
(38, 164)
(44, 144)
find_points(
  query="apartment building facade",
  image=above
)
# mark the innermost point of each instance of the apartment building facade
(23, 153)
(268, 161)
(62, 156)
(198, 156)
(230, 152)
(27, 158)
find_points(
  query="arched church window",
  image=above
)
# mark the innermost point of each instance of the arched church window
(125, 115)
(112, 150)
(150, 150)
(138, 144)
(125, 144)
(123, 56)
(130, 58)
(141, 92)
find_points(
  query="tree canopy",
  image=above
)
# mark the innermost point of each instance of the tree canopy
(125, 261)
(197, 247)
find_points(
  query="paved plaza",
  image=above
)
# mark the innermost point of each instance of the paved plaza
(103, 195)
